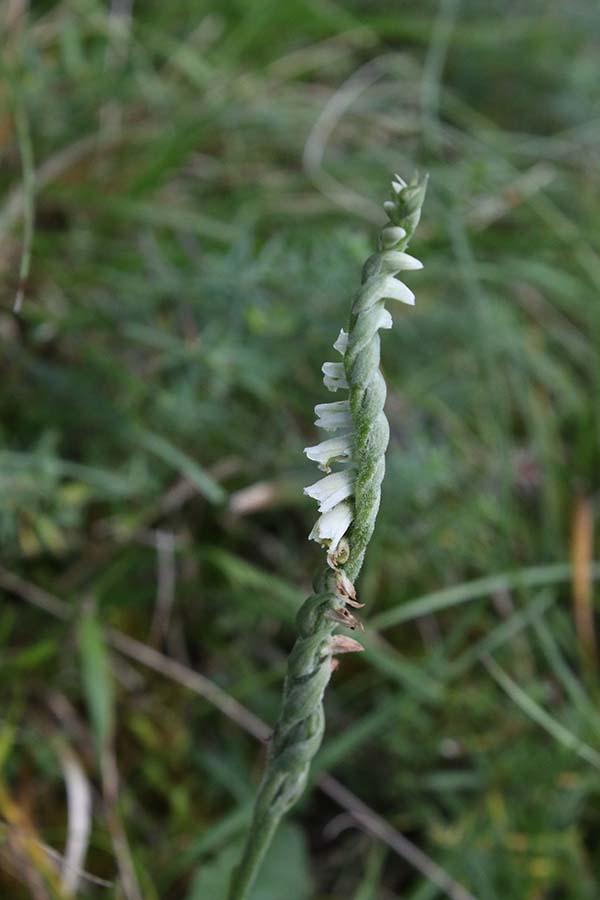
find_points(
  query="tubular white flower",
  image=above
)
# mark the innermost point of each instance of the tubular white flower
(332, 489)
(332, 416)
(397, 290)
(385, 320)
(399, 261)
(341, 342)
(334, 376)
(331, 527)
(337, 449)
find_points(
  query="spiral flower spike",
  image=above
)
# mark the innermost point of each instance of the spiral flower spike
(348, 497)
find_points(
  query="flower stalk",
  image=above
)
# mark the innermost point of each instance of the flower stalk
(348, 497)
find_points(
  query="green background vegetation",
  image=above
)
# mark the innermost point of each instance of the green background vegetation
(209, 182)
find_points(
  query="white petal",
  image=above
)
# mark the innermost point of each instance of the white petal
(335, 406)
(331, 527)
(402, 261)
(335, 449)
(385, 320)
(332, 385)
(400, 180)
(334, 376)
(334, 370)
(396, 290)
(341, 343)
(333, 415)
(331, 490)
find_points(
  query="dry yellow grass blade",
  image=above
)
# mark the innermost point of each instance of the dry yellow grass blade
(582, 551)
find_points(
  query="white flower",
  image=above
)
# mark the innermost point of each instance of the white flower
(334, 376)
(332, 489)
(401, 261)
(384, 320)
(331, 527)
(341, 342)
(331, 416)
(335, 449)
(396, 290)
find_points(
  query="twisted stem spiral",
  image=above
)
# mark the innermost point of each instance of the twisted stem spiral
(361, 362)
(299, 729)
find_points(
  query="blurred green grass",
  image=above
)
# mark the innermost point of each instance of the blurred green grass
(208, 182)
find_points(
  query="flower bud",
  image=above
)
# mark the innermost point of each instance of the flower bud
(391, 235)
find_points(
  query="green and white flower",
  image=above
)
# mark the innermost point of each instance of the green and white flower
(331, 416)
(334, 376)
(393, 289)
(331, 527)
(341, 342)
(337, 449)
(332, 489)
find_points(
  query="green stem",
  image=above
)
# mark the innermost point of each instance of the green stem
(257, 843)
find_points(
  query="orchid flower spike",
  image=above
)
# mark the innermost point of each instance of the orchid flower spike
(335, 493)
(352, 456)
